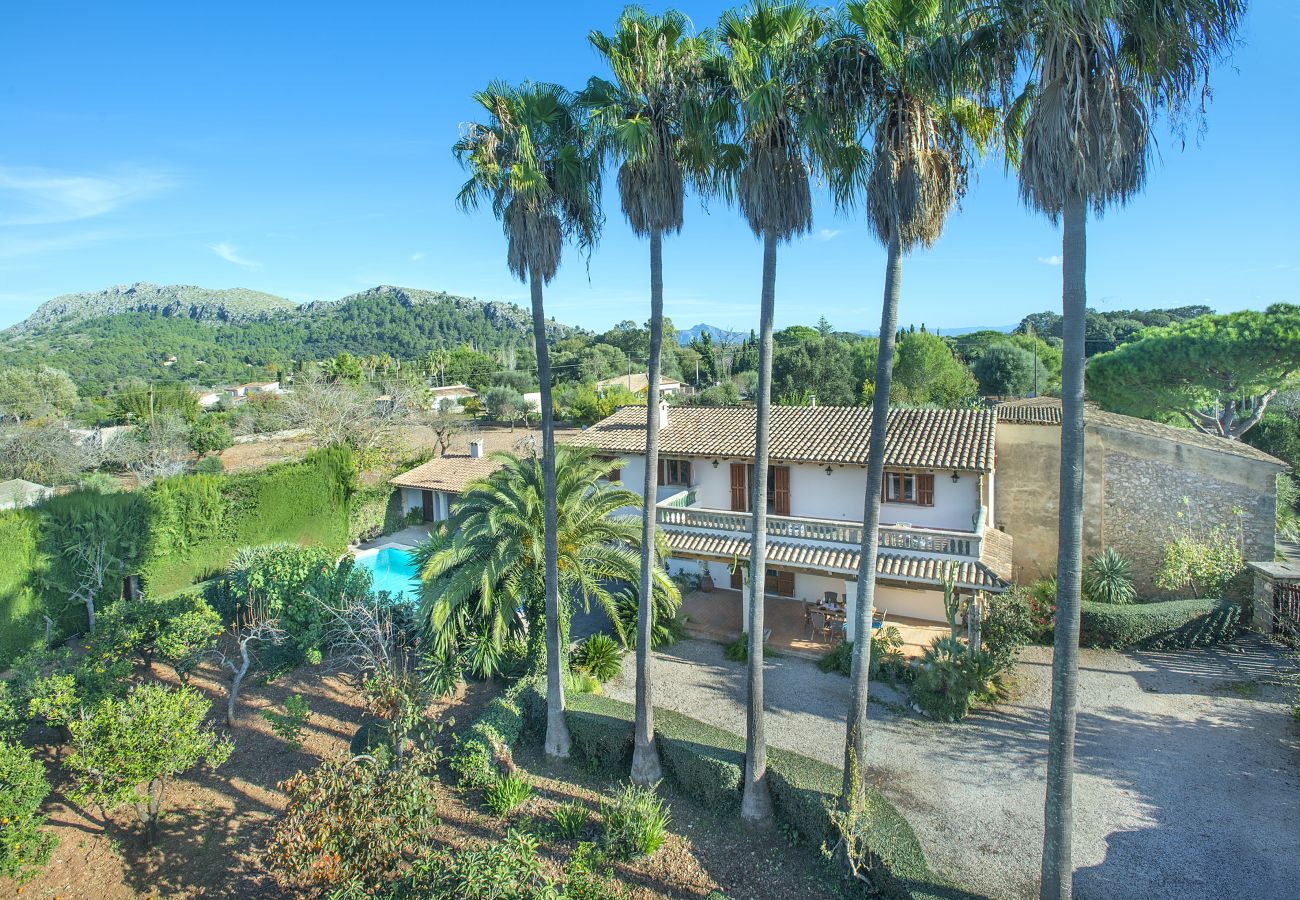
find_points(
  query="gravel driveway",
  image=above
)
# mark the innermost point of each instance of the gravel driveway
(1188, 766)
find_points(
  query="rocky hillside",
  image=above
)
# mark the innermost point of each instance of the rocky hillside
(185, 301)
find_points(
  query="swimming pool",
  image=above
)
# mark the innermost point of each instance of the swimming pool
(392, 570)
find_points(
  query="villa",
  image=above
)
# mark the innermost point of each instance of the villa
(639, 383)
(936, 511)
(451, 396)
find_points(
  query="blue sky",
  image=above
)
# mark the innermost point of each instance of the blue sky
(304, 150)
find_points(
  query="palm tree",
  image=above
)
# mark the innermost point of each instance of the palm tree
(533, 161)
(899, 80)
(767, 60)
(1100, 69)
(652, 121)
(484, 571)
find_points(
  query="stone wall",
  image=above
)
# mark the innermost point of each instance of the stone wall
(1138, 489)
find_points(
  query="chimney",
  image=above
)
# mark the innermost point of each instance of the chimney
(476, 449)
(663, 414)
(812, 400)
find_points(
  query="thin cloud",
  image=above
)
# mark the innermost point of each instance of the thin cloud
(826, 234)
(230, 253)
(1050, 260)
(21, 248)
(417, 256)
(37, 196)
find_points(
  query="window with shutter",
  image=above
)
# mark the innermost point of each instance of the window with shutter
(739, 496)
(925, 489)
(781, 490)
(737, 579)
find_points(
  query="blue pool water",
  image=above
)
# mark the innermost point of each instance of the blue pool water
(392, 570)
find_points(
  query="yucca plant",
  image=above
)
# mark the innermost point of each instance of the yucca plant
(600, 657)
(1108, 578)
(635, 823)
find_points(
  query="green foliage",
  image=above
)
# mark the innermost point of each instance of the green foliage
(1108, 578)
(707, 763)
(927, 373)
(1005, 370)
(669, 626)
(951, 677)
(354, 823)
(1202, 561)
(1207, 362)
(505, 404)
(569, 820)
(19, 591)
(599, 656)
(886, 655)
(737, 650)
(507, 793)
(210, 465)
(634, 823)
(144, 402)
(376, 511)
(1008, 625)
(1288, 507)
(138, 742)
(491, 737)
(24, 847)
(177, 629)
(1163, 625)
(289, 725)
(11, 717)
(36, 392)
(1278, 434)
(506, 870)
(210, 434)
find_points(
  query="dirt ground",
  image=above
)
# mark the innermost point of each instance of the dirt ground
(215, 823)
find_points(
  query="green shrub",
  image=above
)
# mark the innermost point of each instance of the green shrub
(507, 793)
(951, 677)
(669, 625)
(1108, 578)
(1163, 625)
(506, 869)
(496, 731)
(589, 876)
(289, 725)
(376, 511)
(1008, 624)
(738, 650)
(210, 465)
(177, 629)
(599, 656)
(354, 822)
(20, 597)
(570, 820)
(582, 683)
(886, 655)
(634, 823)
(12, 719)
(1204, 562)
(707, 764)
(24, 847)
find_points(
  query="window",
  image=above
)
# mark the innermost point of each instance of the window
(675, 471)
(614, 474)
(908, 487)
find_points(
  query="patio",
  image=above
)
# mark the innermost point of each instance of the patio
(717, 616)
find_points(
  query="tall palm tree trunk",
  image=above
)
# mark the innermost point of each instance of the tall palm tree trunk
(645, 756)
(756, 801)
(557, 730)
(853, 794)
(1057, 871)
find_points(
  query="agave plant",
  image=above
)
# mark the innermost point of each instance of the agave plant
(1108, 578)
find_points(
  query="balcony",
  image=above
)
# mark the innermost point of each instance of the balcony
(679, 511)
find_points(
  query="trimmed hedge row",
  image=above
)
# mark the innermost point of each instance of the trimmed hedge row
(19, 599)
(497, 729)
(1162, 625)
(707, 764)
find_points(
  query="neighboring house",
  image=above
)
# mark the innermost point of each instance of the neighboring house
(534, 400)
(209, 399)
(938, 496)
(1142, 481)
(259, 387)
(457, 394)
(18, 493)
(639, 383)
(434, 486)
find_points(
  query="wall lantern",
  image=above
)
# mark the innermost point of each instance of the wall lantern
(715, 464)
(829, 470)
(955, 478)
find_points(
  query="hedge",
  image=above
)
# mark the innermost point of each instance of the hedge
(1162, 625)
(498, 728)
(19, 598)
(707, 764)
(376, 511)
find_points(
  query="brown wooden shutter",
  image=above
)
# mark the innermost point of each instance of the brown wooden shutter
(785, 584)
(781, 490)
(925, 489)
(686, 470)
(739, 498)
(737, 579)
(661, 471)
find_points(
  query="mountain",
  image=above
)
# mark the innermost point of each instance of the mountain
(218, 337)
(184, 301)
(718, 335)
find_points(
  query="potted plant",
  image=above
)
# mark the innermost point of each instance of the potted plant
(706, 582)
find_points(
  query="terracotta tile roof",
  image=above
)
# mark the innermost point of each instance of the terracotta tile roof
(1047, 411)
(454, 470)
(971, 574)
(919, 438)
